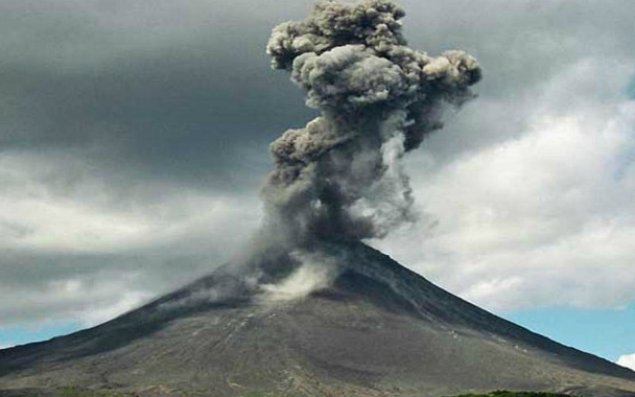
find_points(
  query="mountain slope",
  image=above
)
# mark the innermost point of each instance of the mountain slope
(377, 330)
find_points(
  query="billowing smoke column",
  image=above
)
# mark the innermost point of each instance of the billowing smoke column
(340, 177)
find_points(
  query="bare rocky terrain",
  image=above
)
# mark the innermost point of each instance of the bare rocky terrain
(377, 330)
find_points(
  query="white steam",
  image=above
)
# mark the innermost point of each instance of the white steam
(315, 272)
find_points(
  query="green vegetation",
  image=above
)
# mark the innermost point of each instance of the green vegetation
(268, 394)
(82, 392)
(72, 391)
(501, 393)
(78, 392)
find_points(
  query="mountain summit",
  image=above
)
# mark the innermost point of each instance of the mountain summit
(373, 328)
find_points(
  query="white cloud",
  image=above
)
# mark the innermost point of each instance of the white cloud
(37, 216)
(5, 346)
(81, 298)
(627, 360)
(82, 250)
(542, 218)
(525, 193)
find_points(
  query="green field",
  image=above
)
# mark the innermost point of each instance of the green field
(81, 392)
(514, 394)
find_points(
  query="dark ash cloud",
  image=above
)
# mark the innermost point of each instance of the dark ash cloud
(340, 177)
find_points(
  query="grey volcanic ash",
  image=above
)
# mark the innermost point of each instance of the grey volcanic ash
(340, 178)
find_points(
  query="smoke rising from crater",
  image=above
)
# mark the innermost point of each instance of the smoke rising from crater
(340, 176)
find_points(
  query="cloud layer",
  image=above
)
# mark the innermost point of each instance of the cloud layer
(122, 124)
(539, 220)
(628, 361)
(532, 208)
(76, 246)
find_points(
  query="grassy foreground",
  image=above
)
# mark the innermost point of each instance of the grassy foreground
(81, 392)
(501, 393)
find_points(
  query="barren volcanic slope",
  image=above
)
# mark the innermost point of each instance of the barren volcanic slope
(377, 330)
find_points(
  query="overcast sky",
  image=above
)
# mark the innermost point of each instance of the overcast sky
(134, 139)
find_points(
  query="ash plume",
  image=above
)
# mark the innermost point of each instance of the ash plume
(340, 176)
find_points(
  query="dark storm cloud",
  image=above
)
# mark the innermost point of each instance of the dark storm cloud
(156, 100)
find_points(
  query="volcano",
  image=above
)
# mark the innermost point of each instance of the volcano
(376, 329)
